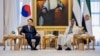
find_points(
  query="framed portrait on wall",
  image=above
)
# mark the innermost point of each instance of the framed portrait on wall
(52, 12)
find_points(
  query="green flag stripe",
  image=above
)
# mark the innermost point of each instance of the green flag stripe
(89, 6)
(79, 2)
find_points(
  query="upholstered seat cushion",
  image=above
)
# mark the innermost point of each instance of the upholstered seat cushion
(33, 40)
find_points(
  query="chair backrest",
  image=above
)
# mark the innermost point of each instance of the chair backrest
(19, 29)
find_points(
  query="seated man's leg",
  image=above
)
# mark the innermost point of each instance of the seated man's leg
(61, 41)
(37, 38)
(69, 41)
(29, 42)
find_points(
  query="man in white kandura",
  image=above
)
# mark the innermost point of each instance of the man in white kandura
(67, 37)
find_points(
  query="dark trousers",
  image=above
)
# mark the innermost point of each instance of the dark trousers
(37, 38)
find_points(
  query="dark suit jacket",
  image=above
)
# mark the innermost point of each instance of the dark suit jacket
(28, 34)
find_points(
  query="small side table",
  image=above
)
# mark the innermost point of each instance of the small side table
(47, 39)
(11, 38)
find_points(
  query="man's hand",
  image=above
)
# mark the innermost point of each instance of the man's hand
(37, 34)
(23, 33)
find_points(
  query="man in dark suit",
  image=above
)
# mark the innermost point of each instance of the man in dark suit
(30, 33)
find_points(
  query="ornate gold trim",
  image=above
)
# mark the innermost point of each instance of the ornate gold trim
(34, 16)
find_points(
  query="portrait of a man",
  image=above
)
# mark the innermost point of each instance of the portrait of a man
(52, 12)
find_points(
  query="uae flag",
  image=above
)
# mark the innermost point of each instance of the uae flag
(87, 21)
(76, 14)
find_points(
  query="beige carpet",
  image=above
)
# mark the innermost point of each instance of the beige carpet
(50, 52)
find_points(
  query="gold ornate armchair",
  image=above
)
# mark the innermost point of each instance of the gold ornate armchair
(24, 41)
(85, 37)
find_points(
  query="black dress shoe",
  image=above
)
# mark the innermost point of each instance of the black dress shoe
(59, 48)
(32, 48)
(35, 49)
(68, 49)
